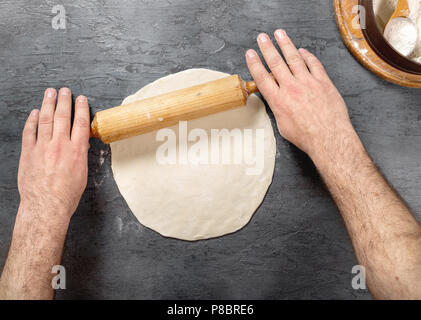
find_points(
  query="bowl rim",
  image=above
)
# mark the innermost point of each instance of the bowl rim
(381, 46)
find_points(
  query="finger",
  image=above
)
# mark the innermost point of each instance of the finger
(63, 114)
(29, 134)
(272, 57)
(291, 54)
(81, 123)
(314, 65)
(264, 81)
(46, 115)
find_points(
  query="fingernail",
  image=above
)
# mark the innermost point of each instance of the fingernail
(34, 112)
(263, 37)
(81, 99)
(302, 50)
(250, 54)
(51, 93)
(65, 91)
(280, 34)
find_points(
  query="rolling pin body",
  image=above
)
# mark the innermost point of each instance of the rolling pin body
(168, 109)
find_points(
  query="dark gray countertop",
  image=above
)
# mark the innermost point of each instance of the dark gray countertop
(296, 245)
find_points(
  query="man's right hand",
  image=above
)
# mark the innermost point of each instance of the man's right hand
(311, 113)
(308, 108)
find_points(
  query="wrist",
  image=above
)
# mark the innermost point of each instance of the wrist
(345, 150)
(43, 229)
(50, 215)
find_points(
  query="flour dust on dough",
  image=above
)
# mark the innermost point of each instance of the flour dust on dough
(187, 201)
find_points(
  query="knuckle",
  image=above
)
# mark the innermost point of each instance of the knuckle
(311, 56)
(276, 64)
(255, 66)
(264, 77)
(294, 59)
(62, 116)
(253, 62)
(313, 60)
(45, 119)
(27, 131)
(29, 127)
(304, 53)
(81, 123)
(25, 140)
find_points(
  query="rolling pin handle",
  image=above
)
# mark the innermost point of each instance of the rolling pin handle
(93, 133)
(251, 87)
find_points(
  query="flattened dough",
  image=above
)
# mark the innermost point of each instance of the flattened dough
(192, 202)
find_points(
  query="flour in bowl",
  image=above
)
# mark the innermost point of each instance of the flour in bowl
(403, 34)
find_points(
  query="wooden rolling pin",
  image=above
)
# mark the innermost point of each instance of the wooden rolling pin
(168, 109)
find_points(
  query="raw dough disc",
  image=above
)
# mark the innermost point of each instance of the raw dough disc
(188, 201)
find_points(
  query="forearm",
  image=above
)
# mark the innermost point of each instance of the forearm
(36, 246)
(385, 235)
(311, 114)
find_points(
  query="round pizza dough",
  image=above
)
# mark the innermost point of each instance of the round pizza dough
(193, 201)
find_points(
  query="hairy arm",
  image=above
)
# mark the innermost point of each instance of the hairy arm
(385, 235)
(311, 113)
(36, 247)
(52, 176)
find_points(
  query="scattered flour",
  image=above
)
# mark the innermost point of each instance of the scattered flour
(404, 36)
(101, 157)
